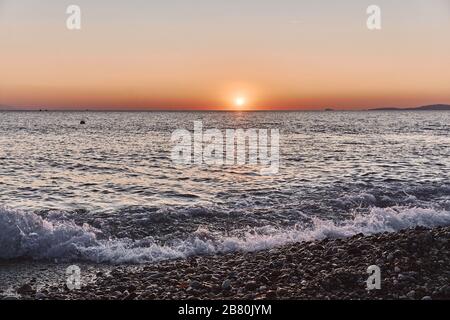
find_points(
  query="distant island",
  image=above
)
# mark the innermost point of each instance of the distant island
(433, 107)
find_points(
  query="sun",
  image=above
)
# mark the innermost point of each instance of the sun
(240, 102)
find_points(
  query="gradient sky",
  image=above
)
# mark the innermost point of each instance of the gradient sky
(197, 54)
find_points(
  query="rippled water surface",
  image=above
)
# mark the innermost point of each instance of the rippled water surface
(115, 172)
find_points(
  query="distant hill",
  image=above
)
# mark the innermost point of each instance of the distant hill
(433, 107)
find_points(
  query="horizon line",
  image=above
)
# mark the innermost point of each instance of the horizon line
(4, 108)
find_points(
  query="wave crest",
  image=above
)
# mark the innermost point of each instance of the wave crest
(27, 235)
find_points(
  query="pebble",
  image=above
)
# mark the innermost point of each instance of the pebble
(40, 296)
(131, 296)
(196, 285)
(25, 289)
(271, 294)
(226, 285)
(251, 285)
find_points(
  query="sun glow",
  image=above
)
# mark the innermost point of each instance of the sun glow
(240, 102)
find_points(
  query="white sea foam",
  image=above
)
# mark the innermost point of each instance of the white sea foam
(26, 235)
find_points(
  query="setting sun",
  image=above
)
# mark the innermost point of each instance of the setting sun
(240, 101)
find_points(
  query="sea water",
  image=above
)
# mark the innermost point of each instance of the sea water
(108, 191)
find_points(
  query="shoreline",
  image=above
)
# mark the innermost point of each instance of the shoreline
(414, 263)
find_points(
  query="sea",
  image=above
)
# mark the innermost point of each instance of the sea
(108, 191)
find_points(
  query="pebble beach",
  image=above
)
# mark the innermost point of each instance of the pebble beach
(414, 263)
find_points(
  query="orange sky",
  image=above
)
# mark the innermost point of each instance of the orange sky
(276, 54)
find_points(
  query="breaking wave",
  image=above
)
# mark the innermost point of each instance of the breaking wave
(27, 235)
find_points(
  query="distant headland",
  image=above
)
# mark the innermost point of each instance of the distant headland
(433, 107)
